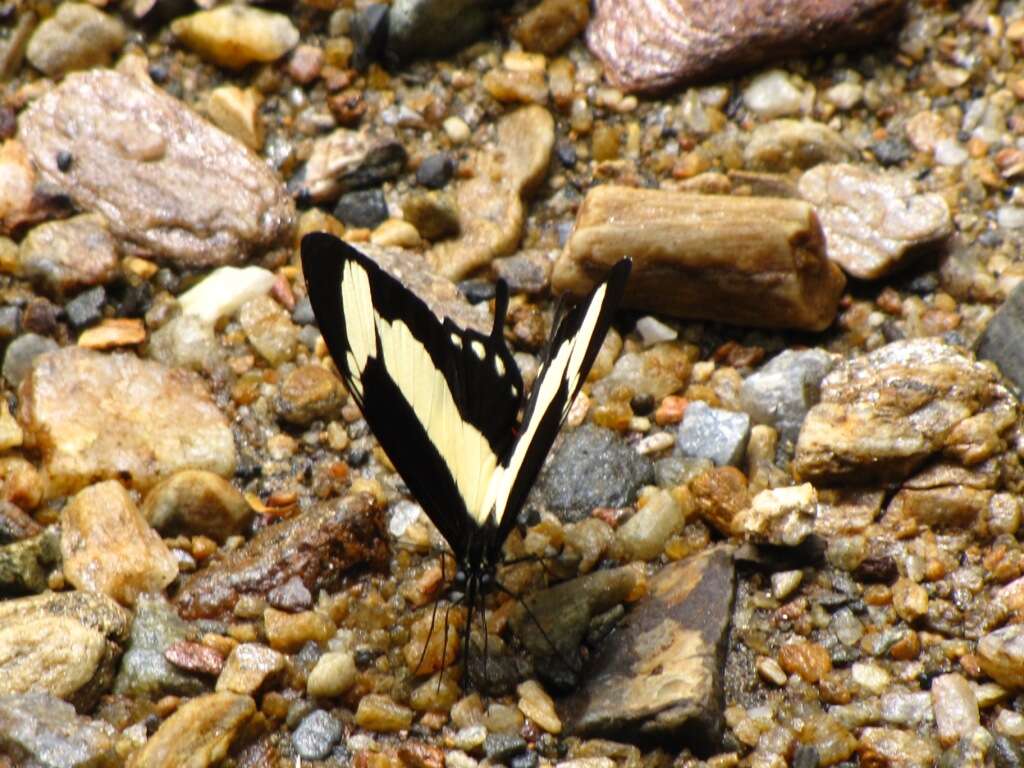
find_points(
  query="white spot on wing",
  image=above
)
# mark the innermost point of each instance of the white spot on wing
(478, 348)
(499, 366)
(456, 340)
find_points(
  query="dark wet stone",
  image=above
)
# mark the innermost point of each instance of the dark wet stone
(40, 730)
(593, 467)
(501, 747)
(553, 622)
(565, 151)
(318, 546)
(86, 308)
(434, 27)
(40, 316)
(892, 151)
(362, 208)
(26, 564)
(1000, 341)
(15, 524)
(477, 290)
(21, 353)
(369, 34)
(316, 735)
(877, 570)
(145, 670)
(435, 171)
(782, 391)
(659, 676)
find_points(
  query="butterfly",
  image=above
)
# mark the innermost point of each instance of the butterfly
(443, 401)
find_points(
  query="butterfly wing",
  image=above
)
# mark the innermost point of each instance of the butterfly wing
(440, 399)
(571, 351)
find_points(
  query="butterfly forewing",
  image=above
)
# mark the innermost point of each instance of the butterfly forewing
(441, 400)
(572, 349)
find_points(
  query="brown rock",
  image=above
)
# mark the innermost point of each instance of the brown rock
(235, 35)
(896, 748)
(653, 44)
(945, 507)
(751, 261)
(237, 112)
(67, 644)
(551, 25)
(22, 200)
(883, 414)
(317, 547)
(198, 734)
(77, 36)
(873, 222)
(25, 565)
(780, 516)
(719, 496)
(112, 333)
(197, 502)
(195, 657)
(98, 416)
(490, 204)
(308, 393)
(248, 667)
(842, 512)
(108, 547)
(659, 676)
(809, 660)
(784, 144)
(433, 214)
(288, 632)
(269, 328)
(165, 179)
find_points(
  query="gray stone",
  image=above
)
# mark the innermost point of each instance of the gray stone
(713, 433)
(70, 254)
(660, 676)
(316, 735)
(86, 308)
(77, 36)
(21, 353)
(39, 730)
(144, 670)
(679, 470)
(1000, 341)
(434, 27)
(593, 467)
(784, 389)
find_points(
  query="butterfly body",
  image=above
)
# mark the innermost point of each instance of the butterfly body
(444, 401)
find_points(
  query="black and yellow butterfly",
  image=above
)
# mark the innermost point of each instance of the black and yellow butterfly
(443, 401)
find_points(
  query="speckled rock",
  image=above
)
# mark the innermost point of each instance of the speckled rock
(713, 433)
(198, 734)
(127, 418)
(108, 547)
(316, 735)
(37, 729)
(593, 467)
(345, 160)
(65, 644)
(235, 35)
(317, 546)
(874, 223)
(660, 674)
(195, 502)
(882, 415)
(653, 44)
(491, 207)
(308, 393)
(269, 328)
(203, 200)
(63, 256)
(77, 36)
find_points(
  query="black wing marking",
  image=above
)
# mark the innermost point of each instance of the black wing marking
(574, 345)
(440, 399)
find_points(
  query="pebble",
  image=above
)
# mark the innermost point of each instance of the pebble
(199, 733)
(364, 208)
(45, 731)
(310, 393)
(55, 654)
(809, 660)
(956, 708)
(773, 94)
(127, 418)
(288, 632)
(551, 25)
(780, 516)
(713, 433)
(236, 206)
(333, 675)
(536, 705)
(22, 353)
(656, 443)
(874, 223)
(770, 670)
(949, 152)
(782, 391)
(222, 292)
(186, 342)
(784, 583)
(652, 331)
(435, 171)
(433, 214)
(77, 36)
(380, 713)
(871, 678)
(998, 341)
(145, 670)
(86, 308)
(785, 144)
(396, 233)
(909, 599)
(910, 709)
(1001, 655)
(197, 502)
(65, 256)
(233, 36)
(108, 547)
(892, 746)
(456, 129)
(237, 112)
(434, 27)
(593, 468)
(11, 435)
(249, 667)
(346, 160)
(502, 747)
(269, 329)
(316, 735)
(643, 536)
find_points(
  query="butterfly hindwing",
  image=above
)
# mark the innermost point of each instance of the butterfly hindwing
(440, 399)
(572, 349)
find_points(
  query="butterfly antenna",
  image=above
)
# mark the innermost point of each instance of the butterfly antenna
(483, 626)
(430, 633)
(444, 644)
(502, 588)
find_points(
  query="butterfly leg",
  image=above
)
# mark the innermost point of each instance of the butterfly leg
(505, 590)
